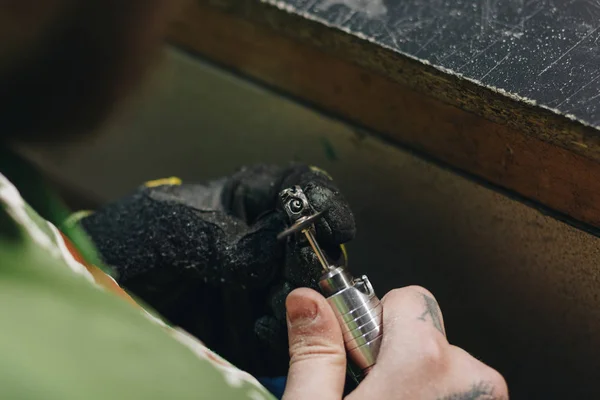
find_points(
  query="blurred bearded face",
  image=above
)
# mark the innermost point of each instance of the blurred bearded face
(64, 64)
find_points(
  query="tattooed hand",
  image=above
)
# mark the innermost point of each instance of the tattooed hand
(415, 362)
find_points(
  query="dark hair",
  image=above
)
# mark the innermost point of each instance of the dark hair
(75, 75)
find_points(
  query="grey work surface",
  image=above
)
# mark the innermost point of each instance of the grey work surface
(540, 51)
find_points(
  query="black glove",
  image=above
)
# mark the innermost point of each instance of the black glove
(207, 258)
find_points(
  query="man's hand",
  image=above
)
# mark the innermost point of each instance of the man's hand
(206, 256)
(415, 362)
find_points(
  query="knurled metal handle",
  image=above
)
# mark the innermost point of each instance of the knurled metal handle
(359, 313)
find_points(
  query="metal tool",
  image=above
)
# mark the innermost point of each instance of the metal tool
(353, 300)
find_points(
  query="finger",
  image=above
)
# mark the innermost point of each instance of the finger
(413, 349)
(318, 359)
(413, 331)
(475, 377)
(411, 305)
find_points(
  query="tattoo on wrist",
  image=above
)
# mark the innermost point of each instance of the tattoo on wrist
(433, 311)
(479, 391)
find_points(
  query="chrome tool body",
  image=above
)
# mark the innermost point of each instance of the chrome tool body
(353, 300)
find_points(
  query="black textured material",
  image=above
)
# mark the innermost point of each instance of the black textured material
(207, 256)
(544, 50)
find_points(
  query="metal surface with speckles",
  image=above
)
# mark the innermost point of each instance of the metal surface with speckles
(540, 51)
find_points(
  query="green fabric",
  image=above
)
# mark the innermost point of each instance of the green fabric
(38, 193)
(62, 337)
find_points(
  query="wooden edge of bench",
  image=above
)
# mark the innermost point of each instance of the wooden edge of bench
(450, 88)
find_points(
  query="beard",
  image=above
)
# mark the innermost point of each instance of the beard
(79, 72)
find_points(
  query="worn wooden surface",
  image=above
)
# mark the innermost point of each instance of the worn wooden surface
(522, 162)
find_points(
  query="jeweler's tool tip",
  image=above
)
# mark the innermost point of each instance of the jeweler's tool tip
(300, 225)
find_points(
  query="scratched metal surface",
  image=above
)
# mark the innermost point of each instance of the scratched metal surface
(542, 50)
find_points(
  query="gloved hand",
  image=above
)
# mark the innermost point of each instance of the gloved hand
(207, 258)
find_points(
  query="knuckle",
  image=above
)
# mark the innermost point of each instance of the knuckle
(394, 296)
(499, 383)
(398, 296)
(301, 351)
(485, 373)
(433, 353)
(421, 290)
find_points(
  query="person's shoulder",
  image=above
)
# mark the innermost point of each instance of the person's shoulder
(19, 221)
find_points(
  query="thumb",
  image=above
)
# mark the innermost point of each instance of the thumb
(318, 359)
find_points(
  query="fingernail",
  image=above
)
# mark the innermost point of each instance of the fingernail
(301, 311)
